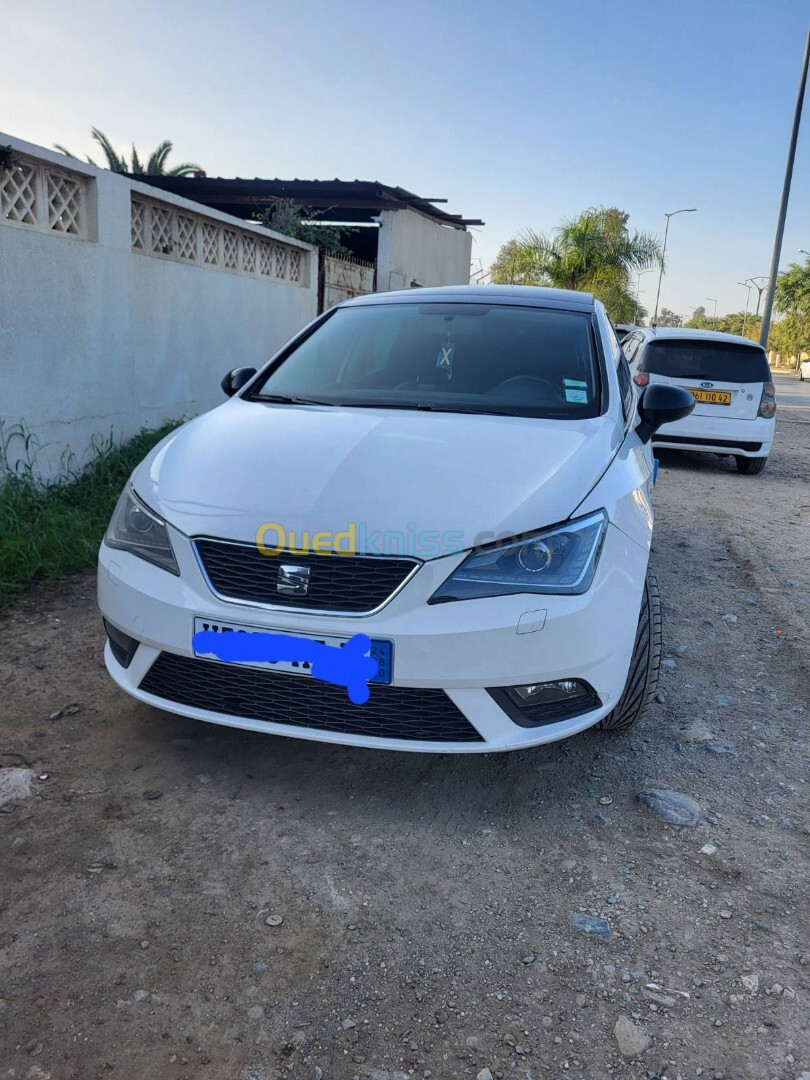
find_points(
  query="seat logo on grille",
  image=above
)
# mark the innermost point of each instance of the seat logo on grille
(292, 580)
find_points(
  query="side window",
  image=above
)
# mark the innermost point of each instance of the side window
(630, 346)
(626, 386)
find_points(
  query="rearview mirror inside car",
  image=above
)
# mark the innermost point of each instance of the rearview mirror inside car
(661, 404)
(236, 379)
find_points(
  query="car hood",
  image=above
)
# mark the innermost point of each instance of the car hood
(320, 468)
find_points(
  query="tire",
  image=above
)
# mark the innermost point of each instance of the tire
(642, 679)
(750, 466)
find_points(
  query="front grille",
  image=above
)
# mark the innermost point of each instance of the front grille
(731, 444)
(350, 583)
(392, 712)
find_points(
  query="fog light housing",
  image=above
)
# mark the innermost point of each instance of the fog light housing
(534, 704)
(122, 646)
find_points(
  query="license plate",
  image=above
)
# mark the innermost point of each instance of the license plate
(381, 650)
(711, 397)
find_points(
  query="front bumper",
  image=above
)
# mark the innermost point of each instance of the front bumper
(461, 648)
(718, 435)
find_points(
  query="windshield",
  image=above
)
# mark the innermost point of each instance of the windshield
(719, 361)
(482, 358)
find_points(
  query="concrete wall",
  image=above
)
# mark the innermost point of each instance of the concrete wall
(414, 248)
(98, 336)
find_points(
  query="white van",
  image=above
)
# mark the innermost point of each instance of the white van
(729, 377)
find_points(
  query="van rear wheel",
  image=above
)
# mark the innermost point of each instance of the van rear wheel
(750, 466)
(642, 679)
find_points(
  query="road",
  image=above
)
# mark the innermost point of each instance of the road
(419, 906)
(793, 395)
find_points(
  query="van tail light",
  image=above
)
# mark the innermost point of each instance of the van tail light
(767, 404)
(641, 378)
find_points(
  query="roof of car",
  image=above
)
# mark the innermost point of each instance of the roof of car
(523, 295)
(668, 333)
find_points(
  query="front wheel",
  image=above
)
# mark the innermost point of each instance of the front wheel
(750, 466)
(642, 679)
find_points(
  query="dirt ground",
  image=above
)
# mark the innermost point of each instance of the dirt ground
(425, 900)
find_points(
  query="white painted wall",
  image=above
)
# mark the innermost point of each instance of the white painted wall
(413, 247)
(96, 337)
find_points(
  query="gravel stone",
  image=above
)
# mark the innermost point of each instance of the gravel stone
(587, 924)
(631, 1040)
(670, 806)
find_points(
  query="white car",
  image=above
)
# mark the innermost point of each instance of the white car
(453, 485)
(729, 377)
(804, 370)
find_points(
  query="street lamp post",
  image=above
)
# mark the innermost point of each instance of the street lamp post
(803, 252)
(746, 285)
(760, 288)
(714, 317)
(672, 213)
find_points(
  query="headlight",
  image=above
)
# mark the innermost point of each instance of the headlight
(561, 560)
(136, 529)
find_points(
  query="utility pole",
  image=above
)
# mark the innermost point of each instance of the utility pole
(714, 317)
(780, 224)
(672, 213)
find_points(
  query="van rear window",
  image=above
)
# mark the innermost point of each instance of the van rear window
(718, 361)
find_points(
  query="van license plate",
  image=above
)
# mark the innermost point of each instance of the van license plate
(710, 397)
(381, 650)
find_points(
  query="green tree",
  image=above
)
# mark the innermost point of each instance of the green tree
(593, 252)
(154, 165)
(669, 318)
(301, 222)
(699, 320)
(791, 335)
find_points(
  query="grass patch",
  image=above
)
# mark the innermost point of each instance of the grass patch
(51, 529)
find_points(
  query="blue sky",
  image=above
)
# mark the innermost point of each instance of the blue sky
(519, 113)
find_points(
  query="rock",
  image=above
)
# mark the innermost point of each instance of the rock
(273, 920)
(637, 973)
(56, 715)
(256, 1012)
(153, 793)
(587, 924)
(708, 849)
(259, 968)
(669, 665)
(765, 926)
(670, 806)
(725, 914)
(606, 800)
(730, 618)
(15, 783)
(665, 1000)
(750, 982)
(719, 748)
(348, 1024)
(600, 820)
(485, 1074)
(317, 1073)
(631, 1040)
(661, 697)
(529, 958)
(694, 732)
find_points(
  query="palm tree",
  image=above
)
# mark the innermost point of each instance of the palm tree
(594, 252)
(155, 164)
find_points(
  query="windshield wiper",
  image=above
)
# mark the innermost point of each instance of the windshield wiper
(424, 406)
(289, 399)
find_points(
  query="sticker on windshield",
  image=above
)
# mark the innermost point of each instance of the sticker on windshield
(576, 391)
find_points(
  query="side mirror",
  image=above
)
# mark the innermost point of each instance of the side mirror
(236, 379)
(661, 403)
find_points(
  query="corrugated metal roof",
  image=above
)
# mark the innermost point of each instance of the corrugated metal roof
(362, 199)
